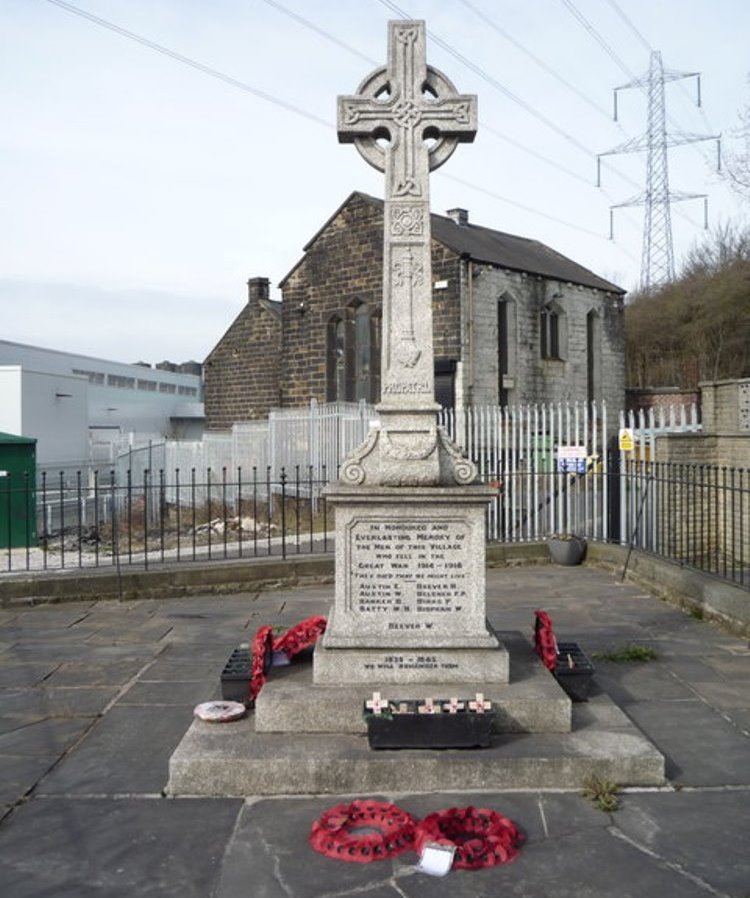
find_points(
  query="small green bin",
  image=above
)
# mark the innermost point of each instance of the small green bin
(17, 491)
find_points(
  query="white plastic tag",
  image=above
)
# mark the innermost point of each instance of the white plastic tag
(436, 859)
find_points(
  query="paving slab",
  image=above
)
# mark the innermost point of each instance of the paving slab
(706, 834)
(571, 850)
(185, 695)
(627, 683)
(126, 752)
(114, 848)
(87, 673)
(48, 738)
(24, 673)
(20, 775)
(700, 746)
(66, 701)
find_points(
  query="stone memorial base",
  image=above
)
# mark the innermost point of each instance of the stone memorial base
(309, 739)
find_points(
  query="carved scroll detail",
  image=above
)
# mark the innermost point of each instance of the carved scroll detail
(463, 470)
(352, 470)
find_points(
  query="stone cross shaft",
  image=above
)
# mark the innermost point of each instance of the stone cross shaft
(406, 119)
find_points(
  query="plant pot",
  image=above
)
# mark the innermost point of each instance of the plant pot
(573, 671)
(235, 678)
(462, 729)
(567, 551)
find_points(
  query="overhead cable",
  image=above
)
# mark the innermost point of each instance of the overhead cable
(186, 60)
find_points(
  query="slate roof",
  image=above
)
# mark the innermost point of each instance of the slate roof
(518, 253)
(495, 248)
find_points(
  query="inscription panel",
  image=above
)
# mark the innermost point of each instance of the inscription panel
(413, 573)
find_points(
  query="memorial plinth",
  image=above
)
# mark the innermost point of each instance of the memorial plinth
(410, 589)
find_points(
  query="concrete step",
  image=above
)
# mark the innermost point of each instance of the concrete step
(532, 702)
(234, 760)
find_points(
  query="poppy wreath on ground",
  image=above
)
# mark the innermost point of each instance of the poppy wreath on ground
(301, 636)
(339, 832)
(482, 838)
(260, 660)
(545, 644)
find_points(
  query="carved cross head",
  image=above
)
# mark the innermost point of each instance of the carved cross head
(402, 105)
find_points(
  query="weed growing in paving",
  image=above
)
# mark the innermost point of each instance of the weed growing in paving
(630, 652)
(601, 793)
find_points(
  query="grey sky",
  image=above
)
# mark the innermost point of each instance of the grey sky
(139, 193)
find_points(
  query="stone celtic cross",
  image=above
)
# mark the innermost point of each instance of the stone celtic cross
(406, 119)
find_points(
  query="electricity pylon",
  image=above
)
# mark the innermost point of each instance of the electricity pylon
(657, 257)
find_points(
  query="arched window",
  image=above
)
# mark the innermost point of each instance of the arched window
(336, 360)
(549, 324)
(593, 356)
(353, 355)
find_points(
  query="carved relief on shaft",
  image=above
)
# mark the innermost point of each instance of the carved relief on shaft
(407, 275)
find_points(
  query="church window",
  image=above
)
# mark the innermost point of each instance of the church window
(353, 355)
(549, 323)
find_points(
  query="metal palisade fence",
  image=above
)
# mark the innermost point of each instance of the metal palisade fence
(260, 489)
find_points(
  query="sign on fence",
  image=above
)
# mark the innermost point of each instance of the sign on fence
(626, 439)
(571, 459)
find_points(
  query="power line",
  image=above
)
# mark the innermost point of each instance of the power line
(526, 208)
(289, 107)
(321, 31)
(577, 14)
(186, 60)
(493, 82)
(647, 86)
(630, 24)
(540, 62)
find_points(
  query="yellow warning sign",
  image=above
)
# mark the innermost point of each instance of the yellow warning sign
(627, 443)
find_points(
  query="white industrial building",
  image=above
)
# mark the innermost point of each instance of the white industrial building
(79, 408)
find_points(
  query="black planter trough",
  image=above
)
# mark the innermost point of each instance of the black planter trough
(573, 671)
(403, 726)
(235, 678)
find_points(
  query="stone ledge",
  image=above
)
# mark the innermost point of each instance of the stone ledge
(233, 760)
(532, 702)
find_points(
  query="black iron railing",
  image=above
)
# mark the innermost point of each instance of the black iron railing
(694, 515)
(151, 518)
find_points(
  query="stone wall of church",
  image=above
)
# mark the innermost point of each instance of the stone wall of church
(446, 302)
(342, 265)
(241, 374)
(265, 361)
(530, 377)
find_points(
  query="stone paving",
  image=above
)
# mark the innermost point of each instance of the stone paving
(95, 696)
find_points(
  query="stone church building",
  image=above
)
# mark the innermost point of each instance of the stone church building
(514, 322)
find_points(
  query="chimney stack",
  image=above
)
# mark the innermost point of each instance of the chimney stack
(257, 289)
(460, 216)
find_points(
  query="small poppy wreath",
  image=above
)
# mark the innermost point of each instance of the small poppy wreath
(545, 644)
(335, 834)
(300, 636)
(482, 838)
(260, 660)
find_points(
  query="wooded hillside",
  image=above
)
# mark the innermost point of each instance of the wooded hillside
(698, 327)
